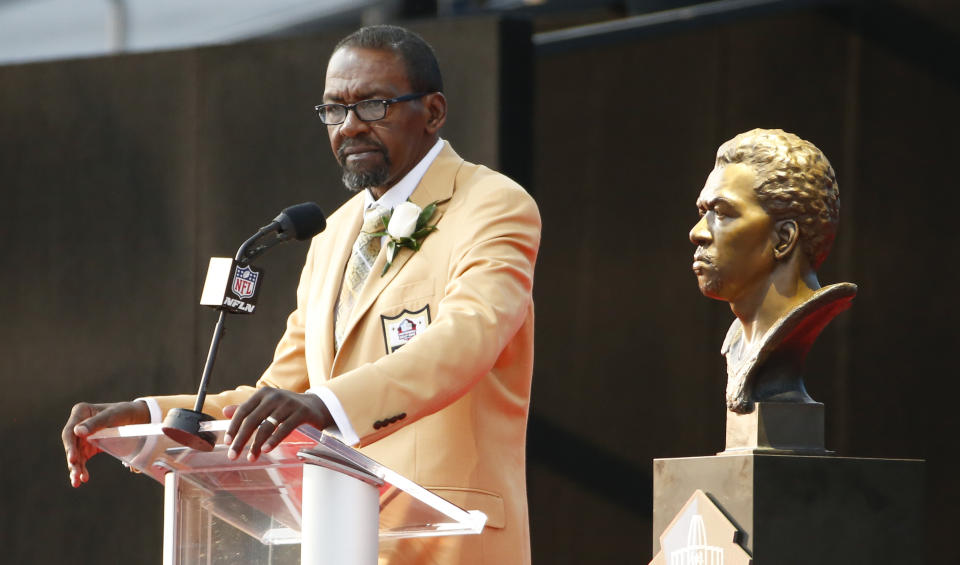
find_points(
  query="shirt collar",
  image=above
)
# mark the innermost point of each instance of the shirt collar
(401, 191)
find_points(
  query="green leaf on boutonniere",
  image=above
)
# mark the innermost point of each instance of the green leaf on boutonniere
(385, 220)
(423, 232)
(391, 254)
(426, 214)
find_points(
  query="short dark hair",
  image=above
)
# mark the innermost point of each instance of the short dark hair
(418, 57)
(796, 182)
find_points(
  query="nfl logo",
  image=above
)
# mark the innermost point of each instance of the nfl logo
(245, 282)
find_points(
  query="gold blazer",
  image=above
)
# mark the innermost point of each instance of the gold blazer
(449, 408)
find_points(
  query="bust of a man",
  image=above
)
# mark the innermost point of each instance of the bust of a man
(769, 212)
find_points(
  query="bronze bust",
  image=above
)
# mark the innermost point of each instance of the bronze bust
(768, 216)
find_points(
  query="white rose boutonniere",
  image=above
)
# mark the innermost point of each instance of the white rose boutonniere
(406, 226)
(403, 220)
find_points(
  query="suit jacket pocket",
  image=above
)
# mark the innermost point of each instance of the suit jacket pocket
(485, 501)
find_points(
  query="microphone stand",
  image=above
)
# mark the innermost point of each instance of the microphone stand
(183, 425)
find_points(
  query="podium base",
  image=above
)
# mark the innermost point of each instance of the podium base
(340, 518)
(793, 509)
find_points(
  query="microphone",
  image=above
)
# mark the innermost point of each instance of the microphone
(300, 222)
(303, 221)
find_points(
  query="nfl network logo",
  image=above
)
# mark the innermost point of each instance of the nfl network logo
(245, 282)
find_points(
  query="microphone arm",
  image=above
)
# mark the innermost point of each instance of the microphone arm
(244, 256)
(301, 222)
(248, 253)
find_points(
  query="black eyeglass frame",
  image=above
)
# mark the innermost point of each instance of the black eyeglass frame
(387, 102)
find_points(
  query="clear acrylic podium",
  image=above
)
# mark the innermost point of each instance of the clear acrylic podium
(311, 500)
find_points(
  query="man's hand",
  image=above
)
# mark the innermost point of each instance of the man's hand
(269, 416)
(86, 419)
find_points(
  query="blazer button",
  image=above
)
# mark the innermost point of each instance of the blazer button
(402, 416)
(377, 425)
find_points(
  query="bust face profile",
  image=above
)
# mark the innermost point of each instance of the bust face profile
(769, 212)
(763, 180)
(734, 235)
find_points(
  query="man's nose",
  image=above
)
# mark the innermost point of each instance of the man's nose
(352, 125)
(699, 234)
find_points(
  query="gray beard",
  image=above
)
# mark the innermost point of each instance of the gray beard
(355, 181)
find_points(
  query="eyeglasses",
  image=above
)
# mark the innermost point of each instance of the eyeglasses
(367, 110)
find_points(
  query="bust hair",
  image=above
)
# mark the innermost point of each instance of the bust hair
(795, 181)
(418, 56)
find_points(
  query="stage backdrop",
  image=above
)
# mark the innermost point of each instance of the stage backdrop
(123, 175)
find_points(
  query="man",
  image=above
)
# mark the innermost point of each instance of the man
(424, 364)
(768, 217)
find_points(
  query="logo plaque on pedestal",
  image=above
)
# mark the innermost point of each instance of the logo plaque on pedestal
(701, 534)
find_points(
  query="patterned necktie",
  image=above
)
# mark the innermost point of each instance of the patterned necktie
(364, 253)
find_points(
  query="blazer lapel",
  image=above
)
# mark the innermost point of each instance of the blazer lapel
(437, 185)
(337, 254)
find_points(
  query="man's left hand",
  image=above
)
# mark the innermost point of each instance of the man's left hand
(268, 417)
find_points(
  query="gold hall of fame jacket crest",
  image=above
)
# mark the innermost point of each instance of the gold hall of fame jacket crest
(399, 329)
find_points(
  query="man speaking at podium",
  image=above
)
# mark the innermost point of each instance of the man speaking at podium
(420, 355)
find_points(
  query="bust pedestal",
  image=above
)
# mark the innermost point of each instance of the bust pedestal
(801, 509)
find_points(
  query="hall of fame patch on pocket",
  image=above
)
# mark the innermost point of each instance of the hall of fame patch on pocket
(399, 329)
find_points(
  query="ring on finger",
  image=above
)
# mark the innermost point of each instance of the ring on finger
(273, 421)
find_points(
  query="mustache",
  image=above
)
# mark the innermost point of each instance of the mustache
(358, 142)
(701, 255)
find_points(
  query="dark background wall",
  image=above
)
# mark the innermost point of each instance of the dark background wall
(628, 361)
(121, 176)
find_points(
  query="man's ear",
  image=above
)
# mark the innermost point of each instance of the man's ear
(436, 105)
(788, 234)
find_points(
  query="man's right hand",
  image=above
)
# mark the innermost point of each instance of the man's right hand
(86, 419)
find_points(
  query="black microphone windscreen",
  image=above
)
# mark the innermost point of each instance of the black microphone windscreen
(302, 220)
